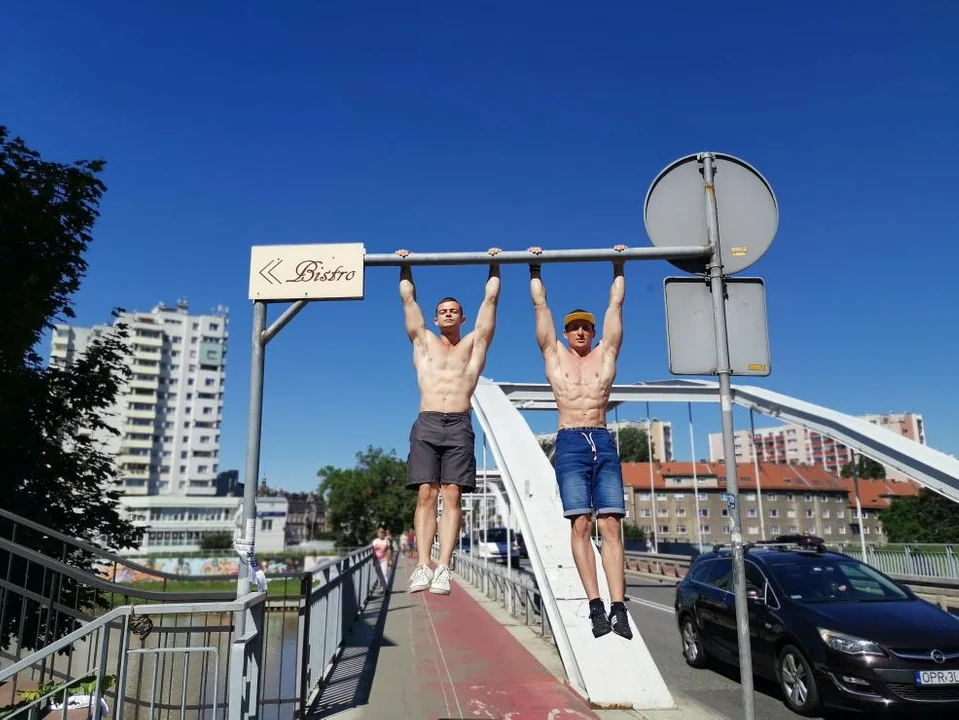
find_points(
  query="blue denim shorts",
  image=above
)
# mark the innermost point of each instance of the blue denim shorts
(588, 471)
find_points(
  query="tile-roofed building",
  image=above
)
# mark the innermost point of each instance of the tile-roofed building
(879, 494)
(793, 499)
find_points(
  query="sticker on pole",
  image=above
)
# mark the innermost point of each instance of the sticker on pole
(307, 272)
(675, 211)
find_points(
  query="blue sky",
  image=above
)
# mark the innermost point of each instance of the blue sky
(443, 127)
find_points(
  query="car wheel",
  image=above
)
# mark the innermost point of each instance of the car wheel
(797, 682)
(693, 649)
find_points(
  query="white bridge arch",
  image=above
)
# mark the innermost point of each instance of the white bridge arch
(612, 671)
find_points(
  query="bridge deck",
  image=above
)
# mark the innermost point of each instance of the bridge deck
(432, 657)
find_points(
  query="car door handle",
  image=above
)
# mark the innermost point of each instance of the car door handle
(768, 626)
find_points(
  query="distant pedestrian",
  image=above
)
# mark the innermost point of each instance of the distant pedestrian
(383, 558)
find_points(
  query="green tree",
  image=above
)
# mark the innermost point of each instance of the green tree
(365, 497)
(925, 518)
(52, 466)
(868, 468)
(633, 445)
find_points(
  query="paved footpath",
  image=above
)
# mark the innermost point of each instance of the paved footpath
(436, 657)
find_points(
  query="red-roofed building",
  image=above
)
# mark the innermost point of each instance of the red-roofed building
(660, 497)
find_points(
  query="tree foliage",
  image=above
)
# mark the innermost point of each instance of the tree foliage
(867, 467)
(52, 467)
(365, 497)
(925, 518)
(633, 445)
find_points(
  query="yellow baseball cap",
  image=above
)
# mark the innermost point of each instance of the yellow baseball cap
(580, 315)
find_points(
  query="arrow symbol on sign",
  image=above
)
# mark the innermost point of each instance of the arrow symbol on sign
(269, 268)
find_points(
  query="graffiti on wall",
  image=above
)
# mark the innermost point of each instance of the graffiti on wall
(208, 567)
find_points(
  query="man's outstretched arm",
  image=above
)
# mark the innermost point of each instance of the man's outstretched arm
(486, 317)
(412, 314)
(613, 322)
(545, 330)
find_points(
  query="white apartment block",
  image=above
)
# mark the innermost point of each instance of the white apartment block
(801, 446)
(170, 411)
(660, 431)
(178, 524)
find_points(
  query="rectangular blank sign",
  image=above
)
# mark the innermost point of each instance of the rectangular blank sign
(690, 330)
(307, 272)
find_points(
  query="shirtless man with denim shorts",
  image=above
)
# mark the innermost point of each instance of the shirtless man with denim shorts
(442, 445)
(588, 470)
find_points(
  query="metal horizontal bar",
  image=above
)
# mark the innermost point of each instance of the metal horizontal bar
(547, 256)
(539, 396)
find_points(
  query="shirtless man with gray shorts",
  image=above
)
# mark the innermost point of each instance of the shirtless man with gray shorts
(442, 445)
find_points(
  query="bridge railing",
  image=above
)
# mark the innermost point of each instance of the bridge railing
(917, 560)
(942, 591)
(911, 560)
(171, 660)
(517, 592)
(51, 588)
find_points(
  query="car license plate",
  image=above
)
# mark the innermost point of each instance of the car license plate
(937, 677)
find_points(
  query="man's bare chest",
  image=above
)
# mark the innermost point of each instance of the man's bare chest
(438, 357)
(584, 373)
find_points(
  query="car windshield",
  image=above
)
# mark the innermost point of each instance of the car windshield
(496, 535)
(829, 580)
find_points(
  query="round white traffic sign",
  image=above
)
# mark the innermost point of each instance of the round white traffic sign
(675, 211)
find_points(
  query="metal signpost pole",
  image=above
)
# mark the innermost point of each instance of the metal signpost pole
(717, 287)
(245, 544)
(253, 430)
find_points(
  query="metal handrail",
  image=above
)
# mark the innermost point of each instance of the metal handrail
(125, 611)
(683, 562)
(520, 584)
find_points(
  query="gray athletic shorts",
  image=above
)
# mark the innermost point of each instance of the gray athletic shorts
(442, 450)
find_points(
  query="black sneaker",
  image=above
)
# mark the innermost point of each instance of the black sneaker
(600, 623)
(619, 622)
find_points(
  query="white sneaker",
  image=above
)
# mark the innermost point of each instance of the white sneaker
(421, 578)
(441, 581)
